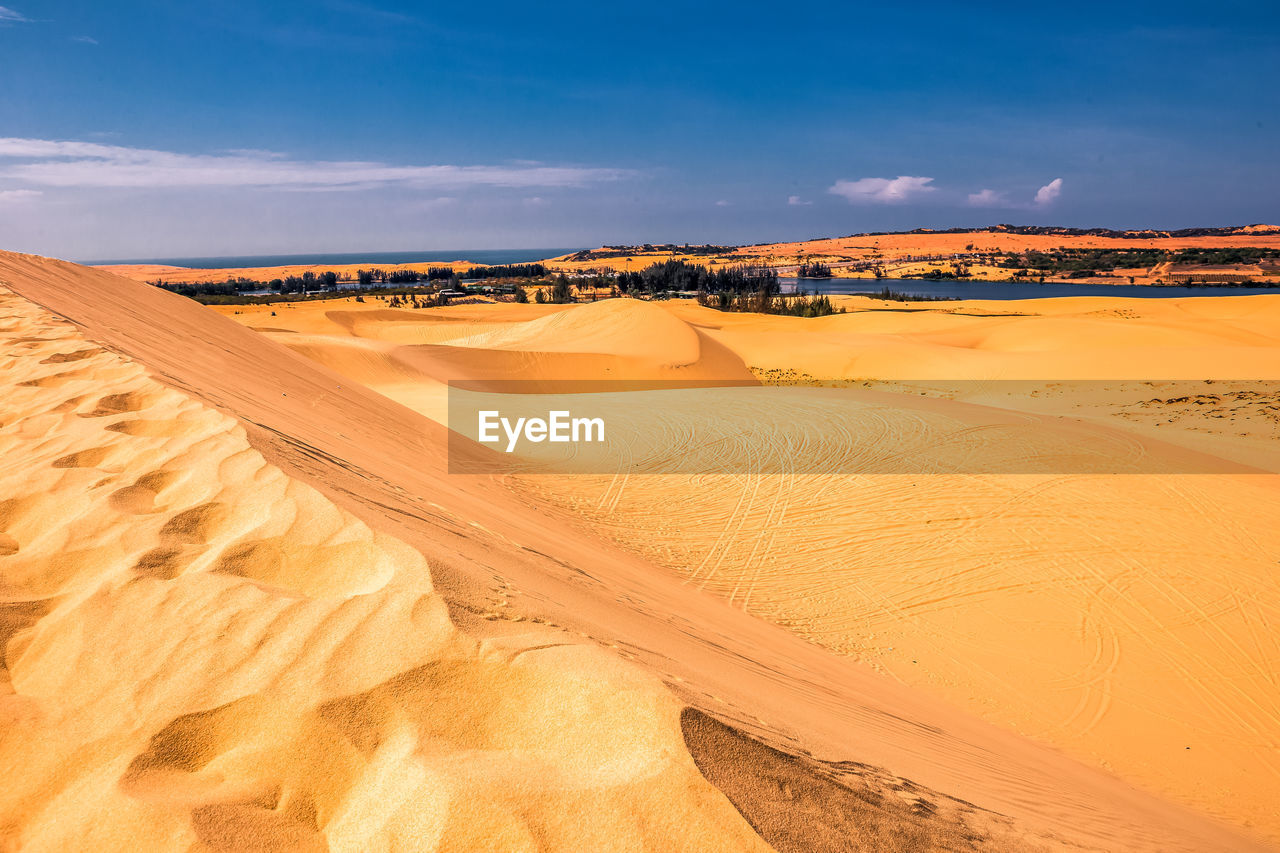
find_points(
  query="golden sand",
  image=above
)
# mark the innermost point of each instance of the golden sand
(1126, 619)
(246, 601)
(203, 653)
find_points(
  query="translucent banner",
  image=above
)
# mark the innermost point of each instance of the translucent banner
(864, 427)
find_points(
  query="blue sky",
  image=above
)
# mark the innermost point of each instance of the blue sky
(143, 128)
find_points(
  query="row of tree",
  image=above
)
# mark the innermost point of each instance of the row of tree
(306, 282)
(507, 271)
(1228, 256)
(404, 276)
(1067, 261)
(814, 269)
(679, 275)
(763, 302)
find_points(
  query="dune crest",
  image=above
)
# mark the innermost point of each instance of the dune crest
(627, 328)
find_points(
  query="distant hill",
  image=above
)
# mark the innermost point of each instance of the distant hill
(1140, 234)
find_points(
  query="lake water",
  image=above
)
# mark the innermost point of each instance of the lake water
(479, 256)
(1009, 290)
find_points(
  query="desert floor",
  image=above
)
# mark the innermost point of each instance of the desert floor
(244, 598)
(1126, 619)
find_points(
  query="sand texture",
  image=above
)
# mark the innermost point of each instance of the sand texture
(202, 653)
(1126, 619)
(248, 601)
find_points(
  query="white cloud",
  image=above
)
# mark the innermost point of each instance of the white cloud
(796, 201)
(988, 198)
(256, 153)
(1047, 193)
(85, 39)
(18, 195)
(438, 201)
(998, 198)
(51, 163)
(722, 203)
(882, 190)
(9, 16)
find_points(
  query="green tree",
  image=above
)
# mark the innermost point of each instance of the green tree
(560, 291)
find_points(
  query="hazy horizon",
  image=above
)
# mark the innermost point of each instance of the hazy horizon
(518, 254)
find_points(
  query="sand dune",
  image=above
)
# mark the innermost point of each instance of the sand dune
(382, 667)
(410, 356)
(624, 328)
(203, 653)
(1146, 600)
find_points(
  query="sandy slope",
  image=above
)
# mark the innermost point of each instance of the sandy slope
(845, 740)
(203, 653)
(1127, 619)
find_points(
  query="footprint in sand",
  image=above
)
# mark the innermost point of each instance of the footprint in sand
(117, 404)
(66, 357)
(90, 458)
